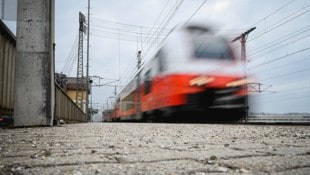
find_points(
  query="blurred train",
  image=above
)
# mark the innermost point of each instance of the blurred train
(194, 75)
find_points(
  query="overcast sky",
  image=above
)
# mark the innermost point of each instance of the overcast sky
(278, 50)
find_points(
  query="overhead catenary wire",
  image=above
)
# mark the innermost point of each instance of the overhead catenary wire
(117, 28)
(200, 6)
(131, 74)
(71, 59)
(273, 48)
(153, 26)
(134, 27)
(165, 22)
(280, 23)
(278, 41)
(272, 13)
(281, 57)
(286, 74)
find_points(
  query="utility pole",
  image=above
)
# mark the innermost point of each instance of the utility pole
(79, 72)
(138, 86)
(87, 63)
(242, 38)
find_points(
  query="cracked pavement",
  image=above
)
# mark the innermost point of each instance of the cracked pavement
(156, 148)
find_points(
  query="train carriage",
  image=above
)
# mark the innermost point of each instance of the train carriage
(194, 73)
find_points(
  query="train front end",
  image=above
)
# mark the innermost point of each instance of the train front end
(209, 80)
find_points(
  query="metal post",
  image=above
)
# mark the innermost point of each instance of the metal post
(87, 63)
(139, 116)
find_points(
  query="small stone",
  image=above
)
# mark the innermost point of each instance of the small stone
(222, 169)
(200, 173)
(213, 158)
(243, 170)
(97, 171)
(34, 156)
(16, 170)
(210, 162)
(172, 174)
(226, 145)
(46, 152)
(93, 151)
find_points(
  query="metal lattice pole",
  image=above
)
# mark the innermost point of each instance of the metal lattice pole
(79, 73)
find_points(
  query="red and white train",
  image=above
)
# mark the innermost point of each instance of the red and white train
(194, 73)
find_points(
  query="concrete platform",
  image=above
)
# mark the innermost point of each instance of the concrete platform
(143, 148)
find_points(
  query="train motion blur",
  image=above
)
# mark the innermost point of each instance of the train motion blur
(194, 74)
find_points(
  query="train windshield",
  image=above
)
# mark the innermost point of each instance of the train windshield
(208, 46)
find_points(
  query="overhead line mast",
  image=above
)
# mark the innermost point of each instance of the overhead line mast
(79, 74)
(242, 38)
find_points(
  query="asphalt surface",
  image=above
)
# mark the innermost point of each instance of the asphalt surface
(144, 148)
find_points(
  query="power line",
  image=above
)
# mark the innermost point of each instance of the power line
(165, 22)
(272, 49)
(281, 57)
(290, 73)
(130, 25)
(70, 59)
(274, 12)
(195, 11)
(122, 33)
(116, 38)
(153, 26)
(98, 27)
(279, 40)
(280, 100)
(279, 24)
(131, 68)
(274, 67)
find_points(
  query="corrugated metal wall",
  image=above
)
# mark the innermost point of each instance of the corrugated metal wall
(66, 109)
(7, 70)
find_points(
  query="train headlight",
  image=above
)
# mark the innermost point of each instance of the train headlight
(200, 81)
(238, 83)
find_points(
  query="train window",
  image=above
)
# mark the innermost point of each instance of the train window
(128, 102)
(210, 46)
(147, 82)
